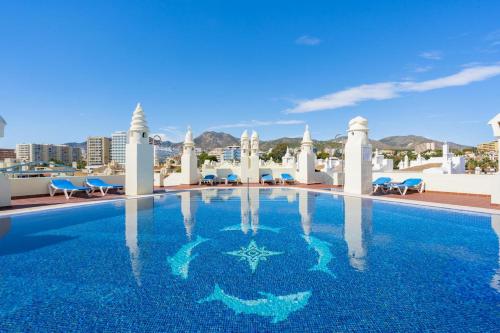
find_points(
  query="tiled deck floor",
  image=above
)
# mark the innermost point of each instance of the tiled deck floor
(47, 200)
(470, 200)
(479, 201)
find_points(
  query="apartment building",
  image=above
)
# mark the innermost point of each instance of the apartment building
(7, 153)
(34, 152)
(488, 147)
(232, 153)
(425, 146)
(98, 150)
(118, 145)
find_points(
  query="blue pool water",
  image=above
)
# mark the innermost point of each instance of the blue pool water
(250, 260)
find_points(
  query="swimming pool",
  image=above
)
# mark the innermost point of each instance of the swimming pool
(249, 260)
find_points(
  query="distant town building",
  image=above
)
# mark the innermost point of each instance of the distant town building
(34, 152)
(7, 153)
(217, 152)
(118, 144)
(98, 150)
(425, 146)
(232, 153)
(488, 147)
(77, 155)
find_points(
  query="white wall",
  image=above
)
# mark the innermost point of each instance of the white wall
(40, 185)
(459, 183)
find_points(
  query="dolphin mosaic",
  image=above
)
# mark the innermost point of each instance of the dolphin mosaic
(322, 248)
(179, 263)
(237, 227)
(277, 307)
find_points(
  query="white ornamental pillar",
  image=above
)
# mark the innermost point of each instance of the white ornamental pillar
(245, 157)
(189, 161)
(358, 164)
(495, 193)
(306, 160)
(254, 170)
(5, 193)
(139, 156)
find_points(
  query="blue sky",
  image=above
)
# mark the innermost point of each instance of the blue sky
(70, 69)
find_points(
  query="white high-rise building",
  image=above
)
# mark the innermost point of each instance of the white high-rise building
(118, 145)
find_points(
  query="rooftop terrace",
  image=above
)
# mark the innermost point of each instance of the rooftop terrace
(433, 198)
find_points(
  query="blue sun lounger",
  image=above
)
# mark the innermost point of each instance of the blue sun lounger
(287, 178)
(409, 184)
(232, 179)
(381, 183)
(67, 187)
(101, 185)
(267, 178)
(208, 179)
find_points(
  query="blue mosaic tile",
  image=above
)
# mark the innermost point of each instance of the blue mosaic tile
(247, 260)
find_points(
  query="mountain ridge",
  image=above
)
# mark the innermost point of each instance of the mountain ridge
(210, 140)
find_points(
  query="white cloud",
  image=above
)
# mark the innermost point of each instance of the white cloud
(162, 136)
(258, 123)
(422, 69)
(390, 90)
(171, 133)
(432, 55)
(308, 40)
(462, 78)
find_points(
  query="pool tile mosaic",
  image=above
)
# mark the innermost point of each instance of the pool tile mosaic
(247, 260)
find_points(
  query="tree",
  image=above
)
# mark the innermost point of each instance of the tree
(204, 156)
(278, 152)
(81, 164)
(322, 155)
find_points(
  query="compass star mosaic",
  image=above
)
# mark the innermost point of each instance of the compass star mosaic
(253, 254)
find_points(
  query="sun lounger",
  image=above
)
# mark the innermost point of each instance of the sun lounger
(287, 178)
(233, 179)
(208, 179)
(267, 179)
(409, 184)
(67, 187)
(101, 185)
(381, 183)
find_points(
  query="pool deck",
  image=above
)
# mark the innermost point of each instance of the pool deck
(472, 202)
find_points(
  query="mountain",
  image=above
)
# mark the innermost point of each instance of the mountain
(81, 145)
(210, 140)
(409, 142)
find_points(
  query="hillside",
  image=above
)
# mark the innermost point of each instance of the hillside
(210, 140)
(409, 142)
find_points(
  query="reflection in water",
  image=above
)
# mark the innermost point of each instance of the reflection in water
(495, 224)
(357, 229)
(136, 212)
(254, 195)
(291, 196)
(4, 226)
(307, 203)
(245, 209)
(208, 194)
(188, 210)
(325, 255)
